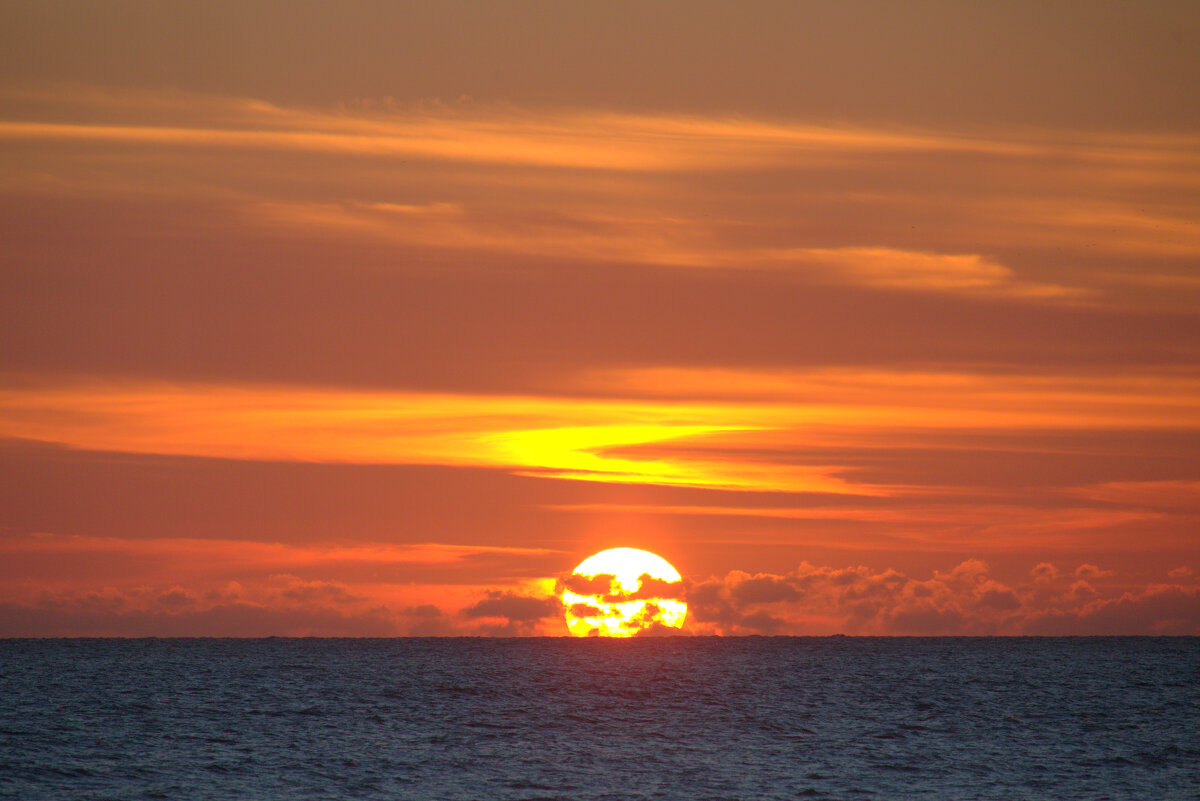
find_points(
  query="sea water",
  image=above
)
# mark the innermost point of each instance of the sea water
(677, 718)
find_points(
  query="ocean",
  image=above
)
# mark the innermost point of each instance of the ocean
(674, 718)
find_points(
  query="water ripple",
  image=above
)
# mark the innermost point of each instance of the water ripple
(702, 718)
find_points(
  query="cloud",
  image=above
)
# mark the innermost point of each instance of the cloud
(427, 620)
(1086, 571)
(297, 589)
(424, 611)
(175, 599)
(675, 243)
(280, 605)
(649, 589)
(1153, 494)
(612, 440)
(599, 584)
(1044, 571)
(1162, 609)
(761, 623)
(539, 436)
(516, 608)
(583, 139)
(1183, 571)
(605, 588)
(811, 599)
(1083, 591)
(911, 516)
(998, 597)
(188, 587)
(892, 268)
(584, 610)
(79, 558)
(647, 189)
(962, 600)
(656, 629)
(764, 589)
(64, 618)
(505, 613)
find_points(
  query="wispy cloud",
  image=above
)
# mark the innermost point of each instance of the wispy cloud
(949, 526)
(210, 558)
(641, 440)
(576, 138)
(1172, 494)
(889, 209)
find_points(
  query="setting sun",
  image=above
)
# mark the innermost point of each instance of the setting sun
(623, 592)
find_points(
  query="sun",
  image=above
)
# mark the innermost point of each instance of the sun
(623, 592)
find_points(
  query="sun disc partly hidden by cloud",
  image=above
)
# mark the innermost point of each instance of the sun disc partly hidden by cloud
(623, 592)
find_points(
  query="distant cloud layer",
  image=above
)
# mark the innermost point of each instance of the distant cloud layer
(809, 600)
(962, 600)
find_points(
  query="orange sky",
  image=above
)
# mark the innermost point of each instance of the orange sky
(372, 319)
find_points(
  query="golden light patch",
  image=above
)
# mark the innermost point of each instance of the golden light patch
(623, 592)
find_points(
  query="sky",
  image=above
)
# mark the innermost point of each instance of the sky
(373, 319)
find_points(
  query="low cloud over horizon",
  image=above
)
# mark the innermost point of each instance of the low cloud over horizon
(809, 600)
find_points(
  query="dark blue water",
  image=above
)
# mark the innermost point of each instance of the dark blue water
(686, 718)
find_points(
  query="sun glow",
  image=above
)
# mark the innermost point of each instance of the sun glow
(623, 592)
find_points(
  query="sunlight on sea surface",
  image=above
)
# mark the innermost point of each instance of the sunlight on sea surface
(679, 718)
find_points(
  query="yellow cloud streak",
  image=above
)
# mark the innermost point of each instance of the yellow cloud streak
(610, 440)
(542, 436)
